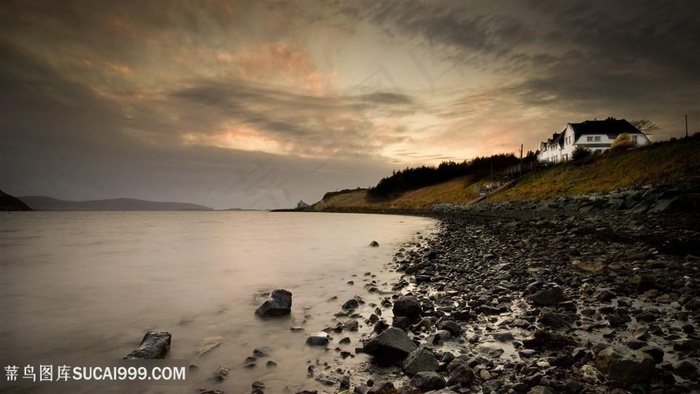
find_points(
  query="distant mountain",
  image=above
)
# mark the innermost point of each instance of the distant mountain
(10, 203)
(41, 203)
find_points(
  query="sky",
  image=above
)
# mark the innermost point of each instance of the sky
(260, 104)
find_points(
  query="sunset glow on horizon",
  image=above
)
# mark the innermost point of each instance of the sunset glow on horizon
(179, 100)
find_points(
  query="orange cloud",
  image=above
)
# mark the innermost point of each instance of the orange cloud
(234, 136)
(280, 63)
(118, 68)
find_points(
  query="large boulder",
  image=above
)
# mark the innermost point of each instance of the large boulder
(279, 304)
(407, 307)
(420, 360)
(155, 345)
(625, 365)
(391, 346)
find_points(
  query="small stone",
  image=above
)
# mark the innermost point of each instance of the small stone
(154, 345)
(655, 352)
(221, 373)
(262, 351)
(318, 339)
(625, 365)
(279, 304)
(420, 360)
(548, 297)
(390, 346)
(685, 369)
(407, 307)
(428, 381)
(503, 336)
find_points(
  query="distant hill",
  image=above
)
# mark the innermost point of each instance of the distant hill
(10, 203)
(41, 203)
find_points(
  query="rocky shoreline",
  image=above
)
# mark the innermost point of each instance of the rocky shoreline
(558, 304)
(575, 295)
(520, 300)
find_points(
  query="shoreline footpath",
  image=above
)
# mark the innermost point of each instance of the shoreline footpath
(541, 302)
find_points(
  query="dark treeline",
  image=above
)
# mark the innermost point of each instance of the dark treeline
(416, 178)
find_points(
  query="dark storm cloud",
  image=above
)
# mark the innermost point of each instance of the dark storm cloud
(455, 25)
(40, 105)
(581, 58)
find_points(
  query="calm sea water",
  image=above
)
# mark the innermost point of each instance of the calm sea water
(90, 284)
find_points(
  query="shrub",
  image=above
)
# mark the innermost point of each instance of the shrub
(622, 142)
(580, 153)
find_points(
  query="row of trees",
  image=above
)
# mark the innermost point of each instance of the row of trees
(418, 177)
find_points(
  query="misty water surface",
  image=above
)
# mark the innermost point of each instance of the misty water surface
(90, 284)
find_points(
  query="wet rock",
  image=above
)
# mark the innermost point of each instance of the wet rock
(686, 344)
(380, 326)
(460, 374)
(401, 322)
(427, 381)
(352, 325)
(548, 297)
(154, 345)
(686, 369)
(503, 336)
(420, 360)
(221, 373)
(263, 351)
(490, 351)
(350, 304)
(407, 307)
(655, 352)
(279, 304)
(318, 339)
(554, 320)
(451, 326)
(625, 365)
(250, 362)
(548, 340)
(391, 346)
(374, 244)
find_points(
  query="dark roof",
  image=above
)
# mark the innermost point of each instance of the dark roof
(610, 127)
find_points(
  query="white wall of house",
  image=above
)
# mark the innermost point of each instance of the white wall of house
(551, 151)
(569, 143)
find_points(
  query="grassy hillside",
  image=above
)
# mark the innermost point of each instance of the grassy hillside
(457, 191)
(657, 163)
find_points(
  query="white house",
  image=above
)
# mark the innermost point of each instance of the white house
(595, 135)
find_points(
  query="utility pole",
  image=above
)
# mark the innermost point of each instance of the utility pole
(686, 125)
(521, 162)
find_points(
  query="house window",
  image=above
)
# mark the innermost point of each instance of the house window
(634, 139)
(589, 139)
(597, 139)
